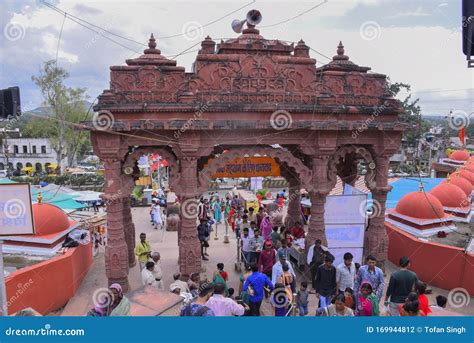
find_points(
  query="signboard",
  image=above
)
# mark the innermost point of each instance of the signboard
(249, 167)
(16, 213)
(345, 219)
(345, 209)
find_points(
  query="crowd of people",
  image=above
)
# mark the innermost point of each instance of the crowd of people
(346, 289)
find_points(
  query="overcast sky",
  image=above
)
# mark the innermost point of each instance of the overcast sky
(412, 41)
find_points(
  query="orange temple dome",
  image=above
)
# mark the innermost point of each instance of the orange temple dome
(49, 219)
(460, 155)
(451, 195)
(420, 205)
(461, 182)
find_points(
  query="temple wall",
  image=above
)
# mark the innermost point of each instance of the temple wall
(436, 264)
(48, 286)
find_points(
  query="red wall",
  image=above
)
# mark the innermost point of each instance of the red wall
(48, 285)
(436, 264)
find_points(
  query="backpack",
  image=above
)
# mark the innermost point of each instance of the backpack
(199, 312)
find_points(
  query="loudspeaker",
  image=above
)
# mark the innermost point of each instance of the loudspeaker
(10, 102)
(468, 27)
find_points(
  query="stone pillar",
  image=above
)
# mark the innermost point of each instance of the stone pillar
(116, 251)
(316, 229)
(189, 245)
(129, 230)
(294, 202)
(376, 239)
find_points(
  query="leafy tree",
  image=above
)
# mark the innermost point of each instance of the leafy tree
(67, 107)
(411, 115)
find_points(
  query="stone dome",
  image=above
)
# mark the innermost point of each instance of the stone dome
(49, 219)
(469, 176)
(460, 155)
(461, 182)
(420, 205)
(451, 195)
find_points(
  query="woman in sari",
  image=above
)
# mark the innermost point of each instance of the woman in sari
(266, 227)
(367, 301)
(244, 294)
(112, 304)
(217, 207)
(220, 276)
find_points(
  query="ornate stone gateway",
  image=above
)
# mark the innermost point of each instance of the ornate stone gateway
(247, 95)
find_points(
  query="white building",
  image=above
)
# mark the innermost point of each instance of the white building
(37, 153)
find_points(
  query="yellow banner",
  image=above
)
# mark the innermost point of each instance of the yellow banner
(249, 167)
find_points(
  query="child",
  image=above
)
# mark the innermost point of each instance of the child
(350, 300)
(238, 225)
(367, 304)
(420, 287)
(253, 227)
(302, 299)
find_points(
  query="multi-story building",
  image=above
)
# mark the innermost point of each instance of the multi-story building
(35, 153)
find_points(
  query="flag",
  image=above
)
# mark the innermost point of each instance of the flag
(461, 135)
(154, 166)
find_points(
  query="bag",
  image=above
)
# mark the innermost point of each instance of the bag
(250, 290)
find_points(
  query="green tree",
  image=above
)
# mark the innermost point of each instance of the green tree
(411, 115)
(67, 110)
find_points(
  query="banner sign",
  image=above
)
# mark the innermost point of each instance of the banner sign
(345, 220)
(16, 213)
(249, 167)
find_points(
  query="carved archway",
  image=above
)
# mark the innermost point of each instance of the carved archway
(347, 155)
(130, 165)
(284, 157)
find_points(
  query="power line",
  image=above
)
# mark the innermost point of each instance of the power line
(296, 16)
(208, 24)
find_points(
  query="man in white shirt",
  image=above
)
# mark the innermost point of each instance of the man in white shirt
(148, 279)
(178, 284)
(345, 273)
(223, 306)
(277, 269)
(157, 271)
(246, 250)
